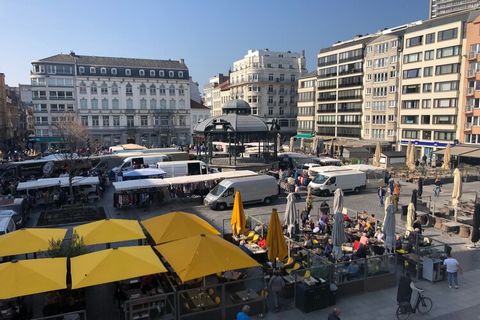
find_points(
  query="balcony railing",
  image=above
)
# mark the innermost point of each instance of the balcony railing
(470, 91)
(468, 126)
(471, 73)
(472, 55)
(469, 108)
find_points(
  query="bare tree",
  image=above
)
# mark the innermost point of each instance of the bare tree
(73, 137)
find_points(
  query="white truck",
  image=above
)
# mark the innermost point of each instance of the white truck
(253, 189)
(140, 161)
(348, 180)
(183, 168)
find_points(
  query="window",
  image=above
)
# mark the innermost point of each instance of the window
(393, 59)
(161, 73)
(83, 103)
(106, 121)
(392, 118)
(172, 104)
(394, 43)
(412, 88)
(426, 104)
(94, 103)
(51, 69)
(181, 91)
(410, 120)
(180, 74)
(93, 70)
(282, 77)
(410, 134)
(153, 90)
(116, 121)
(128, 90)
(427, 87)
(327, 60)
(415, 41)
(93, 88)
(292, 78)
(129, 103)
(130, 121)
(445, 103)
(104, 88)
(171, 74)
(163, 104)
(95, 122)
(270, 111)
(171, 90)
(444, 135)
(410, 104)
(113, 71)
(369, 63)
(427, 71)
(430, 38)
(84, 120)
(144, 121)
(444, 119)
(114, 88)
(447, 69)
(412, 73)
(446, 86)
(181, 104)
(81, 70)
(448, 52)
(429, 55)
(325, 72)
(381, 48)
(153, 104)
(143, 89)
(141, 73)
(143, 103)
(164, 120)
(426, 119)
(447, 34)
(104, 103)
(413, 57)
(152, 73)
(128, 72)
(392, 103)
(162, 90)
(83, 88)
(392, 89)
(103, 71)
(115, 104)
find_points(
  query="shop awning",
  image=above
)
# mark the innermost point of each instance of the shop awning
(29, 240)
(112, 265)
(60, 181)
(45, 139)
(109, 230)
(159, 183)
(177, 225)
(203, 255)
(26, 277)
(473, 154)
(305, 135)
(459, 150)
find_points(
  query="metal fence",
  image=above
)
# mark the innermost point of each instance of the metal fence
(76, 315)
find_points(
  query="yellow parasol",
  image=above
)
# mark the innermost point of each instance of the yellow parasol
(29, 240)
(277, 247)
(378, 154)
(447, 158)
(238, 215)
(109, 230)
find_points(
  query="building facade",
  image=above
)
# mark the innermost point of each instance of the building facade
(118, 100)
(443, 7)
(267, 80)
(307, 85)
(220, 95)
(213, 82)
(198, 113)
(381, 82)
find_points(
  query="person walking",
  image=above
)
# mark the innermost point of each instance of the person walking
(396, 195)
(420, 187)
(381, 195)
(452, 270)
(244, 314)
(391, 184)
(276, 285)
(438, 187)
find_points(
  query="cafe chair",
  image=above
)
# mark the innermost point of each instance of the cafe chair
(250, 235)
(217, 300)
(211, 292)
(296, 266)
(307, 274)
(289, 263)
(255, 238)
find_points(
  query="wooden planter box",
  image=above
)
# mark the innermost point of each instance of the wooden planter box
(381, 281)
(352, 287)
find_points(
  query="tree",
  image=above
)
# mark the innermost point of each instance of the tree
(74, 137)
(68, 248)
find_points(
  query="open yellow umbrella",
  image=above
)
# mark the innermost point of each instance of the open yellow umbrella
(277, 247)
(378, 154)
(238, 215)
(202, 255)
(447, 158)
(177, 225)
(115, 264)
(25, 277)
(109, 230)
(29, 240)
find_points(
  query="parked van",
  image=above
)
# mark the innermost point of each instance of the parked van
(139, 162)
(254, 189)
(17, 205)
(348, 180)
(7, 224)
(183, 168)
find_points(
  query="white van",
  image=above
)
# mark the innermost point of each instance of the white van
(312, 172)
(254, 189)
(348, 180)
(7, 224)
(183, 168)
(139, 162)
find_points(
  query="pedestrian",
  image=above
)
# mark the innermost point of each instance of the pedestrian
(309, 203)
(381, 195)
(424, 159)
(297, 192)
(276, 285)
(452, 270)
(420, 187)
(334, 315)
(438, 187)
(391, 184)
(325, 208)
(396, 195)
(243, 315)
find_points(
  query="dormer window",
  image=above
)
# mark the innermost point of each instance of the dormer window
(92, 70)
(171, 74)
(180, 74)
(114, 71)
(161, 73)
(128, 72)
(103, 70)
(81, 70)
(152, 73)
(142, 73)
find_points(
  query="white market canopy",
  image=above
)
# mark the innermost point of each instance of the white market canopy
(146, 172)
(60, 181)
(159, 183)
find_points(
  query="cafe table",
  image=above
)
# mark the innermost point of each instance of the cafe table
(200, 298)
(245, 295)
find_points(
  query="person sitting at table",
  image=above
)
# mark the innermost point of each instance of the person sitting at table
(304, 216)
(398, 242)
(148, 284)
(361, 252)
(243, 315)
(356, 245)
(324, 208)
(353, 270)
(417, 224)
(322, 225)
(379, 236)
(120, 295)
(308, 243)
(327, 249)
(369, 229)
(364, 239)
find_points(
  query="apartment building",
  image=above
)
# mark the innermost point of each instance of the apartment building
(220, 95)
(443, 7)
(470, 118)
(306, 103)
(381, 82)
(340, 89)
(431, 98)
(213, 82)
(267, 80)
(118, 100)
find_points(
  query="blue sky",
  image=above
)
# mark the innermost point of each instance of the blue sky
(208, 34)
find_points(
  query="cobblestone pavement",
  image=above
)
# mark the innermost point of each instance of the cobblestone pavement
(448, 303)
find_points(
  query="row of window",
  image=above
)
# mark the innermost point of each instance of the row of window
(129, 89)
(54, 107)
(132, 121)
(430, 37)
(115, 104)
(427, 119)
(254, 77)
(128, 72)
(379, 133)
(52, 82)
(52, 95)
(427, 135)
(430, 55)
(427, 103)
(442, 86)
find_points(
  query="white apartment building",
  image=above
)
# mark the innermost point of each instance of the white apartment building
(443, 7)
(307, 85)
(431, 98)
(118, 100)
(267, 80)
(213, 82)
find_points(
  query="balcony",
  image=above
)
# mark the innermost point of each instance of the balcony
(471, 73)
(472, 55)
(468, 109)
(349, 123)
(470, 91)
(468, 126)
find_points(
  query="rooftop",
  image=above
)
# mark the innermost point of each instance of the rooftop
(115, 62)
(195, 105)
(435, 22)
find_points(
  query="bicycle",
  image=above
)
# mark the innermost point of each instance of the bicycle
(423, 305)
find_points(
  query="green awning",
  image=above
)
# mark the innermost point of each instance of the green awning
(45, 139)
(304, 135)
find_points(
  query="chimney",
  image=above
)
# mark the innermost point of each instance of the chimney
(182, 61)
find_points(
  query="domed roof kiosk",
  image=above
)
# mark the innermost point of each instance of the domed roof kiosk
(235, 127)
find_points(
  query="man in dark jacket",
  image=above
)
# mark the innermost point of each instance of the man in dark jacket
(334, 315)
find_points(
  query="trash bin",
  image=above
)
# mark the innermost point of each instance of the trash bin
(404, 210)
